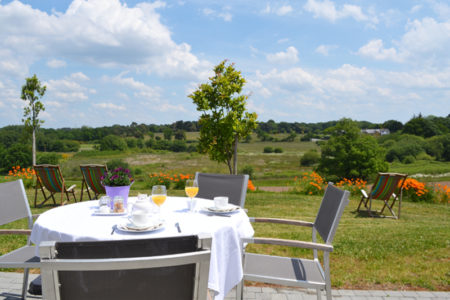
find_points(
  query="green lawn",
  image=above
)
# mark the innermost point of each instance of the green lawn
(374, 253)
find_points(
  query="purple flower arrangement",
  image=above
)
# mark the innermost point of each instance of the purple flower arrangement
(117, 177)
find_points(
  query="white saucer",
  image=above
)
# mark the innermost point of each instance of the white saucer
(100, 213)
(130, 227)
(223, 210)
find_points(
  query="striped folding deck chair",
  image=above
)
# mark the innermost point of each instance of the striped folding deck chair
(386, 186)
(92, 180)
(49, 177)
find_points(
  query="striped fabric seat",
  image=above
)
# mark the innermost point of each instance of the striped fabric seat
(92, 180)
(49, 177)
(386, 186)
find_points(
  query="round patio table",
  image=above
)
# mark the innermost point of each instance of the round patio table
(78, 222)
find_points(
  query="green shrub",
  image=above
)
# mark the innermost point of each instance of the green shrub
(116, 163)
(409, 159)
(48, 158)
(247, 170)
(268, 149)
(310, 158)
(112, 142)
(278, 150)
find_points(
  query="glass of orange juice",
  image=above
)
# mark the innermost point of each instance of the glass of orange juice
(191, 189)
(159, 195)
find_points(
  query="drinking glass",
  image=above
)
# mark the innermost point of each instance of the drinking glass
(191, 190)
(159, 195)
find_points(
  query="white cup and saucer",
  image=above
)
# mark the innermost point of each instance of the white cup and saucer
(220, 203)
(140, 220)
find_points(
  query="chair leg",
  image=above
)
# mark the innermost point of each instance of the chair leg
(240, 290)
(360, 202)
(25, 283)
(319, 294)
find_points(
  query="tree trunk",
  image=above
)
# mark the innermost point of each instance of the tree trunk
(34, 147)
(236, 139)
(229, 166)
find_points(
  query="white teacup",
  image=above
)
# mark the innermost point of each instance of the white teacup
(140, 219)
(220, 202)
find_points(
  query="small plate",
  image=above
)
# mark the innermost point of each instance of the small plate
(225, 210)
(99, 213)
(129, 227)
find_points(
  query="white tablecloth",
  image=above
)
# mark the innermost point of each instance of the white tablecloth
(75, 222)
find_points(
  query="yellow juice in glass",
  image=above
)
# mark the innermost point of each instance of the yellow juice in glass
(191, 191)
(159, 199)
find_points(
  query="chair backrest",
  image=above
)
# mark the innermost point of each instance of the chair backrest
(14, 203)
(92, 176)
(50, 177)
(159, 268)
(232, 186)
(333, 203)
(386, 184)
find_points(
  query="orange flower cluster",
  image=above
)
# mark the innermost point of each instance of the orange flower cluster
(250, 186)
(442, 193)
(165, 177)
(21, 173)
(352, 185)
(416, 186)
(310, 183)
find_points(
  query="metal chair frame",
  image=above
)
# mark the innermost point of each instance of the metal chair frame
(298, 272)
(14, 206)
(211, 185)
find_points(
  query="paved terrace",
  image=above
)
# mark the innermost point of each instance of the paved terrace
(11, 285)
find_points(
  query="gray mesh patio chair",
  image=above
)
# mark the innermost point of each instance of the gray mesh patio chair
(232, 186)
(14, 206)
(299, 272)
(174, 268)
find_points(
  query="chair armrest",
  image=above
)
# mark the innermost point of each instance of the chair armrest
(281, 221)
(69, 189)
(15, 231)
(290, 243)
(364, 193)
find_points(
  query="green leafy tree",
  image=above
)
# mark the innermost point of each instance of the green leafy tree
(224, 120)
(350, 154)
(32, 91)
(168, 133)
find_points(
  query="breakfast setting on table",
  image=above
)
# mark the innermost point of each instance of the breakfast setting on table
(153, 216)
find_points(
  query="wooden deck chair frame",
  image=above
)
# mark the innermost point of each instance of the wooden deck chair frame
(91, 180)
(61, 275)
(14, 206)
(385, 187)
(49, 177)
(292, 271)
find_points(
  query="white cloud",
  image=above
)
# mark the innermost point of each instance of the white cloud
(56, 63)
(79, 76)
(415, 8)
(288, 57)
(325, 49)
(375, 49)
(279, 10)
(141, 90)
(109, 106)
(327, 10)
(284, 10)
(224, 14)
(103, 33)
(426, 42)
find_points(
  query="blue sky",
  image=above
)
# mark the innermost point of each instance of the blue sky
(108, 62)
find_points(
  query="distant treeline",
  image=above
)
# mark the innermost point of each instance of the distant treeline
(421, 126)
(419, 138)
